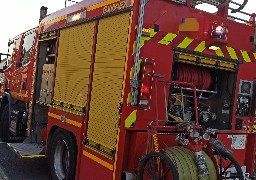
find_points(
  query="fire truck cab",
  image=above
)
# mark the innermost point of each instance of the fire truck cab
(123, 89)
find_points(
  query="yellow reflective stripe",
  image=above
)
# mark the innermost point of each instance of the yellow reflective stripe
(54, 115)
(145, 38)
(74, 123)
(168, 39)
(130, 119)
(104, 3)
(19, 94)
(219, 53)
(254, 55)
(69, 121)
(34, 156)
(98, 160)
(246, 56)
(200, 47)
(185, 43)
(232, 53)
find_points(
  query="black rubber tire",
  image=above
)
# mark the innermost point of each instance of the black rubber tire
(167, 160)
(4, 124)
(59, 137)
(227, 155)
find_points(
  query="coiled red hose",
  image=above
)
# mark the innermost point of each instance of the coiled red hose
(200, 77)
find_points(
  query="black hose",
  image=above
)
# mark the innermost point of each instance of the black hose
(228, 155)
(148, 157)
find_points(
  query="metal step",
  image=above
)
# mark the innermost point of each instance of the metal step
(30, 150)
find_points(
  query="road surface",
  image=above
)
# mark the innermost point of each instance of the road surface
(12, 167)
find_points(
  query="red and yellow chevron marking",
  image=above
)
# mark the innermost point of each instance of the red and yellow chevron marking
(199, 46)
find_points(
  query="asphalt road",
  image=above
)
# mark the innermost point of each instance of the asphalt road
(16, 168)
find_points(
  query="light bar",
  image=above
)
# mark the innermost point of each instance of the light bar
(76, 17)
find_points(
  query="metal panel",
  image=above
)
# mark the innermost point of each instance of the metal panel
(73, 65)
(107, 81)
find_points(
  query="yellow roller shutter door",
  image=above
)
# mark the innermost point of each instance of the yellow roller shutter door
(73, 65)
(107, 80)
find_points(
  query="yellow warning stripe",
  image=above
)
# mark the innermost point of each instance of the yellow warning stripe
(201, 47)
(19, 94)
(98, 160)
(246, 56)
(254, 55)
(147, 38)
(185, 43)
(130, 120)
(168, 39)
(69, 121)
(232, 53)
(219, 53)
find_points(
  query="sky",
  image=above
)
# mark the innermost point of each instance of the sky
(18, 16)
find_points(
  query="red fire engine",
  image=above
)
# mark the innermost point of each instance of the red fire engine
(123, 89)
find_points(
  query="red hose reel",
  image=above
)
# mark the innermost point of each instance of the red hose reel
(200, 77)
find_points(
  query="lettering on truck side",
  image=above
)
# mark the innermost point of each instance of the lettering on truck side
(116, 6)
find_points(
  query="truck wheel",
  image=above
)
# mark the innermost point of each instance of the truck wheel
(62, 155)
(4, 123)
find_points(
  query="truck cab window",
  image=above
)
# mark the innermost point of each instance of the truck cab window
(10, 51)
(27, 47)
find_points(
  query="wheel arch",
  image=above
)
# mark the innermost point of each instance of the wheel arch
(55, 134)
(51, 133)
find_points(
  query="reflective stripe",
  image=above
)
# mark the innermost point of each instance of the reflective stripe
(232, 53)
(146, 38)
(98, 160)
(246, 56)
(200, 47)
(34, 156)
(254, 55)
(168, 39)
(69, 121)
(19, 94)
(185, 43)
(130, 119)
(219, 53)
